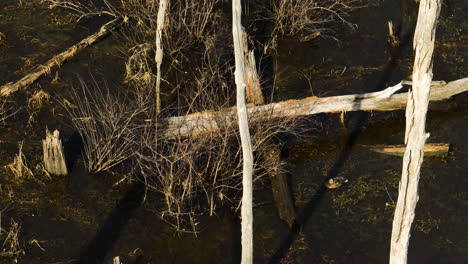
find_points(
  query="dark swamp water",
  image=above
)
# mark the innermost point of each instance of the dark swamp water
(84, 218)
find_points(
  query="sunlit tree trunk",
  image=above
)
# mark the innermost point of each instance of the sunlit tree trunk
(159, 50)
(247, 155)
(415, 135)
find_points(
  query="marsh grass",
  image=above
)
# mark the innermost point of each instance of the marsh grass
(19, 167)
(9, 239)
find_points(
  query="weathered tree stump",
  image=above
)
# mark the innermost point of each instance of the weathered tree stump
(54, 158)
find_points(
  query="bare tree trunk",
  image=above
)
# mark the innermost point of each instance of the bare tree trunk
(247, 154)
(159, 50)
(415, 135)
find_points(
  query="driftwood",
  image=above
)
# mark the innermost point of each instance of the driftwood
(59, 59)
(54, 157)
(198, 123)
(430, 149)
(247, 153)
(415, 134)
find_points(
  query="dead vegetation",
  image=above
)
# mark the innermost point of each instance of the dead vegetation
(194, 175)
(5, 111)
(107, 125)
(308, 19)
(19, 167)
(11, 248)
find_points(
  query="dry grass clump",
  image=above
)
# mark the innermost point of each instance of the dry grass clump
(107, 124)
(11, 248)
(5, 112)
(193, 40)
(19, 166)
(308, 18)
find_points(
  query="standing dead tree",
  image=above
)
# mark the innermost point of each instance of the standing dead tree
(159, 51)
(247, 153)
(415, 134)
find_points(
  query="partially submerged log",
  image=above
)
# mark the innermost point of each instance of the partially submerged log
(198, 123)
(54, 157)
(59, 59)
(430, 149)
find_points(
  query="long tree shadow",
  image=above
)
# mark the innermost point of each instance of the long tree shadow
(358, 120)
(109, 233)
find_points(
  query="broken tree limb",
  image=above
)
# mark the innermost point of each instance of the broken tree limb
(415, 134)
(198, 123)
(59, 59)
(430, 149)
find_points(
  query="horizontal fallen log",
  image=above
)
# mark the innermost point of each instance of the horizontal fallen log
(209, 121)
(59, 59)
(430, 149)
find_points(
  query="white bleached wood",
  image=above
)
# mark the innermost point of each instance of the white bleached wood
(159, 50)
(198, 123)
(415, 134)
(54, 157)
(247, 155)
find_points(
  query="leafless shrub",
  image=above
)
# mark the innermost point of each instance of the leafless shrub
(189, 36)
(308, 18)
(107, 125)
(209, 166)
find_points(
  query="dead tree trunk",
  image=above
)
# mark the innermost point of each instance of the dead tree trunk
(247, 154)
(159, 51)
(415, 135)
(279, 184)
(199, 123)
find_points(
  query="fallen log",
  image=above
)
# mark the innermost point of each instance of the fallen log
(208, 121)
(430, 149)
(59, 59)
